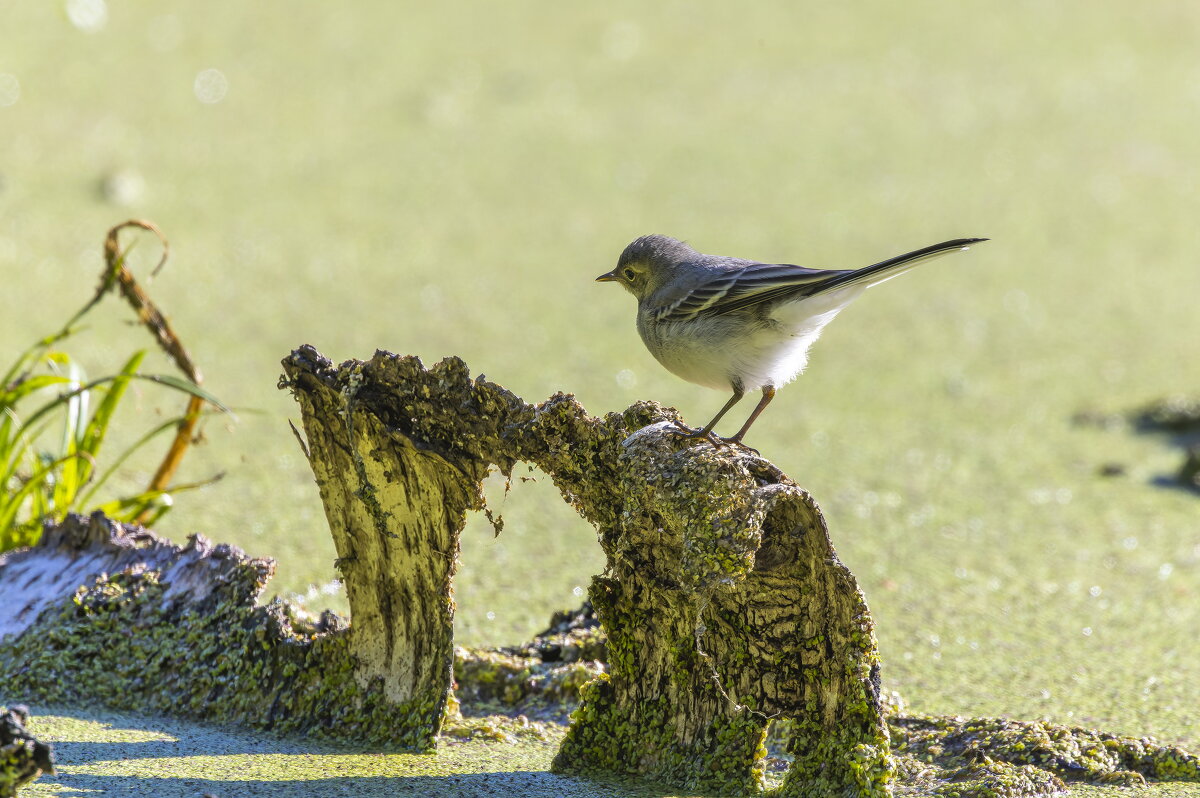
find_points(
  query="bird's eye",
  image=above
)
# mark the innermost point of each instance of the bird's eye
(627, 273)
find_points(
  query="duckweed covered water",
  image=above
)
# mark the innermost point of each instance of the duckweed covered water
(431, 182)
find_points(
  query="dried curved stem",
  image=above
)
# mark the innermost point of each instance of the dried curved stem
(116, 273)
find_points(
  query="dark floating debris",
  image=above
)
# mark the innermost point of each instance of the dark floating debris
(1173, 414)
(22, 756)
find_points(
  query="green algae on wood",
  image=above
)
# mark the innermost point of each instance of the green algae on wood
(160, 628)
(944, 756)
(1001, 758)
(727, 625)
(723, 599)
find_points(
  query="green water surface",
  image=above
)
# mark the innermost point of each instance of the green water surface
(448, 178)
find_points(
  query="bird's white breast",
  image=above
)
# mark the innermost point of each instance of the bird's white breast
(718, 351)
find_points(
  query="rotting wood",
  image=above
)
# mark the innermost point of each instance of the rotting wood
(723, 599)
(110, 614)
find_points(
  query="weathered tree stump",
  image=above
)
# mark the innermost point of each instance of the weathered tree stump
(723, 599)
(109, 614)
(725, 606)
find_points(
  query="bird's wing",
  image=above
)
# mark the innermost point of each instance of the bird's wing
(749, 285)
(756, 283)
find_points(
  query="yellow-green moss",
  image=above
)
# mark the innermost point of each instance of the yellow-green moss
(999, 758)
(119, 643)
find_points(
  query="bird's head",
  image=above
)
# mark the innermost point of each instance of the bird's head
(647, 263)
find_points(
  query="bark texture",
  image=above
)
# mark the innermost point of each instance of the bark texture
(396, 563)
(724, 601)
(110, 614)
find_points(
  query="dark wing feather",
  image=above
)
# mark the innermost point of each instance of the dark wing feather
(750, 285)
(885, 269)
(756, 283)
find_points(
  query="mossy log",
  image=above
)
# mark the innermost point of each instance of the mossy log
(109, 614)
(724, 602)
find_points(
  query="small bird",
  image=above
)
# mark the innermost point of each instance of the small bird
(740, 325)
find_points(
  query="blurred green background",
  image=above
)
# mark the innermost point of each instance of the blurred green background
(448, 178)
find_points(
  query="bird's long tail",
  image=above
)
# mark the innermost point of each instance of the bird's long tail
(892, 267)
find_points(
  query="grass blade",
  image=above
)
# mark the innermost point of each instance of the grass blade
(166, 426)
(97, 425)
(14, 501)
(15, 393)
(73, 473)
(187, 386)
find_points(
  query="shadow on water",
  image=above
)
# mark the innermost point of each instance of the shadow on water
(1177, 419)
(1173, 420)
(528, 784)
(101, 753)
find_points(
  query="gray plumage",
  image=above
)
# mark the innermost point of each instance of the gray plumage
(738, 324)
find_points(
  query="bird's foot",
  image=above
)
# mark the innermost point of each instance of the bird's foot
(695, 432)
(710, 436)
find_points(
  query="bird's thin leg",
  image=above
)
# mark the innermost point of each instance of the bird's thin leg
(706, 430)
(768, 394)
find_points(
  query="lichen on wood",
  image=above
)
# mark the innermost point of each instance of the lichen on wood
(116, 616)
(723, 599)
(1000, 758)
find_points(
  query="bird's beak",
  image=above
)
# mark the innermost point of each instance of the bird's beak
(607, 277)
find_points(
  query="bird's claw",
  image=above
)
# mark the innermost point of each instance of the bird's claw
(695, 432)
(684, 430)
(710, 436)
